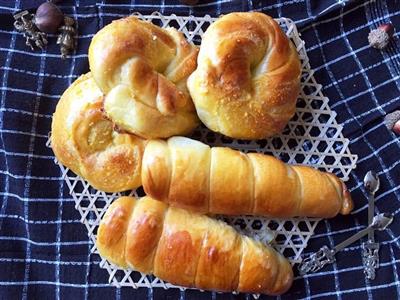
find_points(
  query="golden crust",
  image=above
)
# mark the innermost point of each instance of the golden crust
(113, 231)
(156, 169)
(259, 265)
(144, 231)
(189, 249)
(83, 140)
(248, 77)
(224, 181)
(142, 69)
(179, 247)
(231, 182)
(190, 169)
(274, 182)
(220, 258)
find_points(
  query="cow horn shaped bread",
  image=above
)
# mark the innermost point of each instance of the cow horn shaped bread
(189, 249)
(248, 77)
(218, 180)
(142, 69)
(83, 139)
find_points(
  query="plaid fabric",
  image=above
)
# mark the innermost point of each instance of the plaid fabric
(44, 250)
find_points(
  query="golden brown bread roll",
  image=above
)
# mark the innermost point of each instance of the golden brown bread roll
(189, 249)
(83, 139)
(143, 70)
(248, 77)
(189, 174)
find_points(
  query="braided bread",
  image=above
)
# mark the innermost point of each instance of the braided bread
(248, 77)
(83, 140)
(189, 174)
(142, 69)
(188, 249)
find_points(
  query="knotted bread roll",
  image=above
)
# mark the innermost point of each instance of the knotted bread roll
(189, 249)
(83, 139)
(248, 77)
(142, 69)
(189, 174)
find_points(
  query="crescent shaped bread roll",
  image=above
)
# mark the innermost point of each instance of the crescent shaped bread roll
(189, 249)
(83, 140)
(248, 77)
(189, 174)
(142, 69)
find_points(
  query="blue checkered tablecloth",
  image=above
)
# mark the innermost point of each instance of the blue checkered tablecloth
(45, 251)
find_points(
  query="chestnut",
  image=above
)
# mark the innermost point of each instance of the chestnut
(48, 17)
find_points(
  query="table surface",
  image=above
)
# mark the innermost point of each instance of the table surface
(45, 250)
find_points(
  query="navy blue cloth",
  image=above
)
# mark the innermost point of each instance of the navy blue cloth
(45, 250)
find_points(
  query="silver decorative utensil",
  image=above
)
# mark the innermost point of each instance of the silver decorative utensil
(370, 248)
(325, 255)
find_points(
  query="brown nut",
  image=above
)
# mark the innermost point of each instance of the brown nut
(48, 17)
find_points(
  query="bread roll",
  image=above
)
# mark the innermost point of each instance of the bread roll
(248, 77)
(189, 174)
(83, 140)
(188, 249)
(142, 69)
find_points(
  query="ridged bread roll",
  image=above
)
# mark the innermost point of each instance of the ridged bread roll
(189, 249)
(247, 78)
(189, 174)
(83, 140)
(142, 69)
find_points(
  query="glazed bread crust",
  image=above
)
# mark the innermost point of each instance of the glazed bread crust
(142, 69)
(248, 77)
(189, 249)
(189, 174)
(83, 140)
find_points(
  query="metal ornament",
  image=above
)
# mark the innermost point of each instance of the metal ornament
(324, 256)
(370, 249)
(24, 23)
(370, 257)
(317, 260)
(66, 38)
